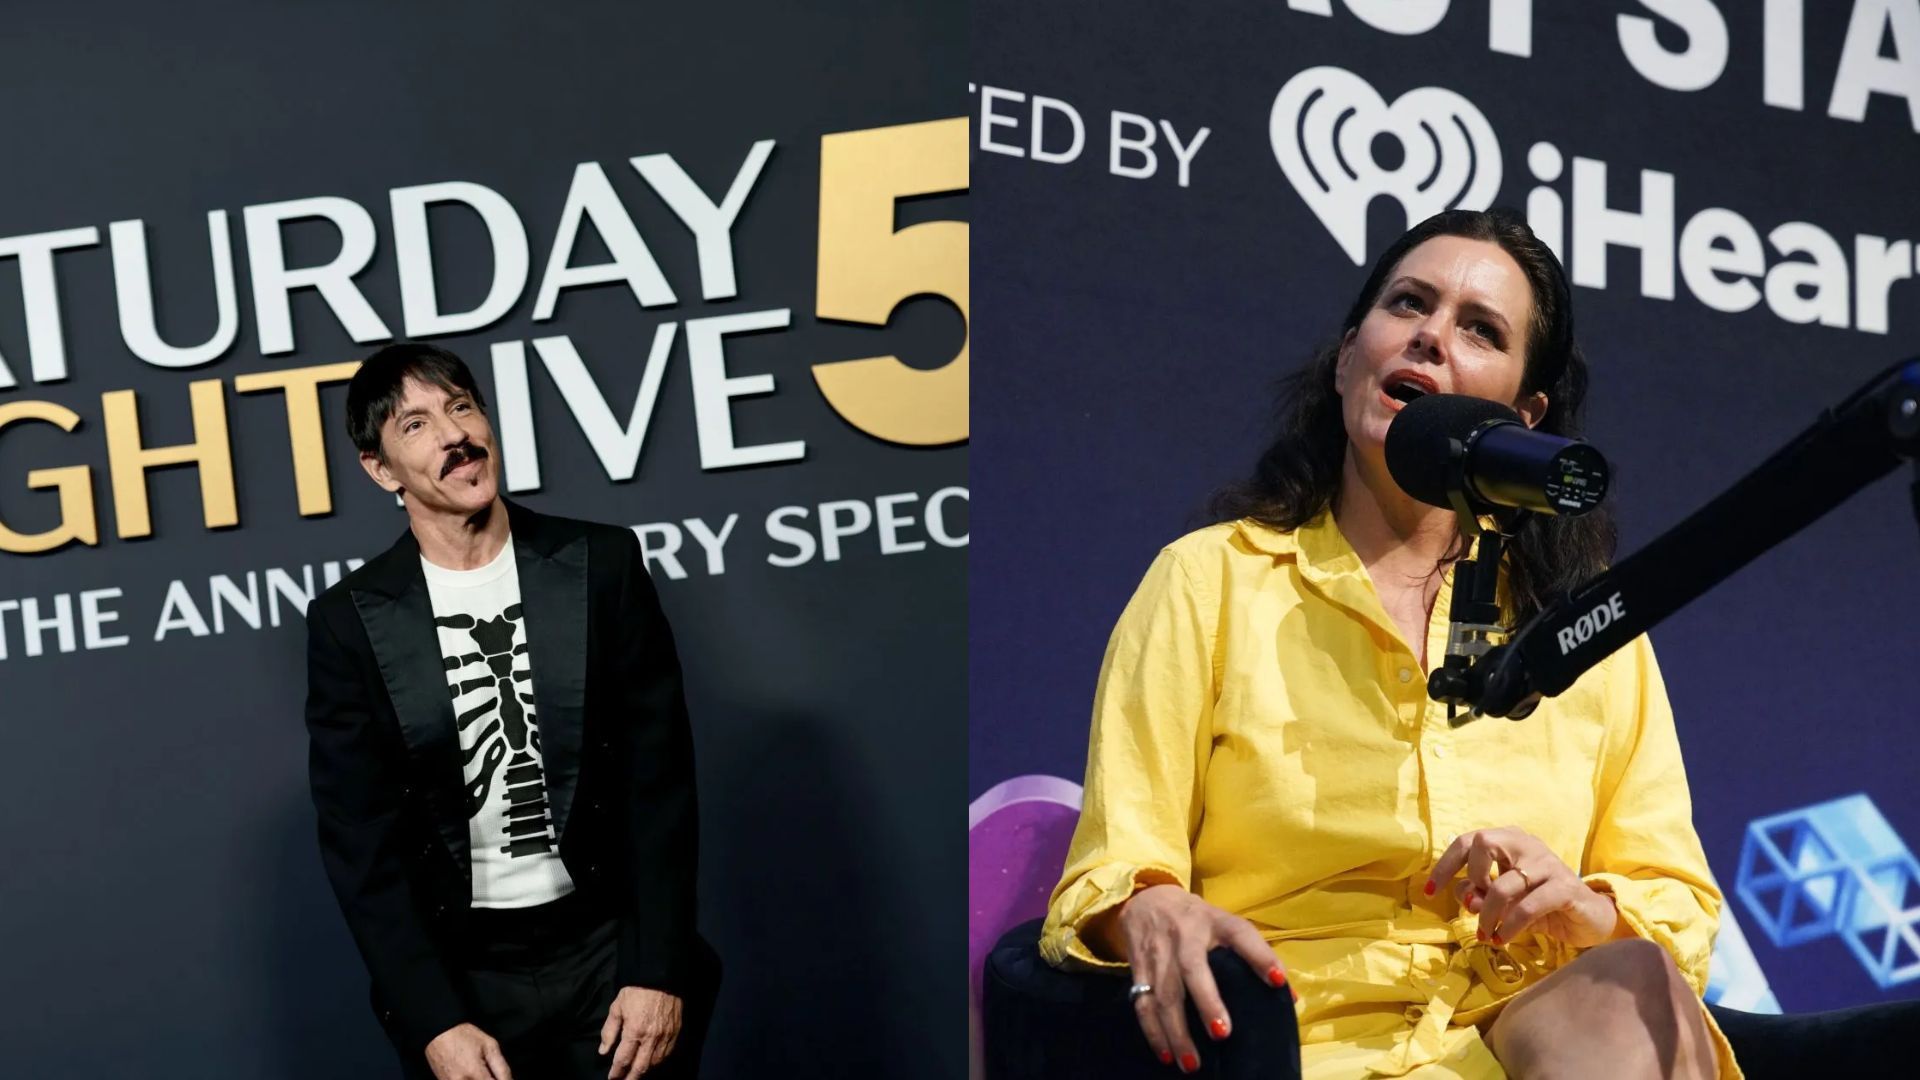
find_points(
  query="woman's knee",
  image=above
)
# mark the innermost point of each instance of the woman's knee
(1664, 1008)
(1608, 992)
(1639, 966)
(1621, 994)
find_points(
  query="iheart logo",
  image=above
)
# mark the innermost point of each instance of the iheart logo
(1323, 127)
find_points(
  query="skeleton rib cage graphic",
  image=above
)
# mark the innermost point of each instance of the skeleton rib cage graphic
(508, 727)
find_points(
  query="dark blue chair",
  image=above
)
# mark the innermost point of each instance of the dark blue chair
(1041, 1022)
(1869, 1040)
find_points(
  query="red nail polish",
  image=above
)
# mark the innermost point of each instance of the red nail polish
(1218, 1027)
(1496, 939)
(1166, 1057)
(1276, 977)
(1431, 886)
(1481, 934)
(1189, 1063)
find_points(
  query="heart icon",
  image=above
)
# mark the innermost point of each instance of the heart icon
(1323, 127)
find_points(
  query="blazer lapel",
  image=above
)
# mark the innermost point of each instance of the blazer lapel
(398, 616)
(553, 594)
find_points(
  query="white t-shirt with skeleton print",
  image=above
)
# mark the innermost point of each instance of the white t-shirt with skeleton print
(483, 645)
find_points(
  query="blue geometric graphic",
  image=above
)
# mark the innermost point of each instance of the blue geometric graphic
(1836, 868)
(1734, 978)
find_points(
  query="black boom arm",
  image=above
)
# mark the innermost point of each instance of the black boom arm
(1850, 446)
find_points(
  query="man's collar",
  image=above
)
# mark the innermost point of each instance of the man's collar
(532, 530)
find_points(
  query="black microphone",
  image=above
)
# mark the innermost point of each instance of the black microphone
(1502, 461)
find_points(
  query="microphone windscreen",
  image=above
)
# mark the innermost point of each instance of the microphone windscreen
(1417, 440)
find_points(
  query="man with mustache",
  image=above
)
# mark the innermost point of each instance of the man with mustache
(502, 765)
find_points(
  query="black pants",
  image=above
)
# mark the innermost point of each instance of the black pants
(541, 979)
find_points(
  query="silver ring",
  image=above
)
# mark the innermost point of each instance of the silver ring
(1137, 991)
(1524, 878)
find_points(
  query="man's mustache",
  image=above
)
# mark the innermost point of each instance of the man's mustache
(462, 454)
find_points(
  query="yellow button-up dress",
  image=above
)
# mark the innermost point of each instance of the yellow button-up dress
(1263, 738)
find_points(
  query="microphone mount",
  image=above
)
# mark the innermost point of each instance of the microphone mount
(1474, 615)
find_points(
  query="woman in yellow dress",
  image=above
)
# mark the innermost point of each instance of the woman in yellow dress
(1266, 772)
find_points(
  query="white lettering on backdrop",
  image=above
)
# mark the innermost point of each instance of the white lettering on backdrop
(591, 200)
(835, 531)
(1327, 128)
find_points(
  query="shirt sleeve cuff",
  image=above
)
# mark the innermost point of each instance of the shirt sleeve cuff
(1633, 900)
(1062, 941)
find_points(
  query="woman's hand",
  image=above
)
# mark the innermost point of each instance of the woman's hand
(1534, 889)
(1167, 932)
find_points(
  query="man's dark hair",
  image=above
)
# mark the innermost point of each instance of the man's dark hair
(1299, 474)
(374, 394)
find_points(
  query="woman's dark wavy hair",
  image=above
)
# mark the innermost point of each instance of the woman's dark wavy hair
(1299, 474)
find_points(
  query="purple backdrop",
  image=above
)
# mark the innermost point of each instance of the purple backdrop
(1133, 326)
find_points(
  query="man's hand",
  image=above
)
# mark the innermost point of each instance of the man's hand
(467, 1053)
(644, 1024)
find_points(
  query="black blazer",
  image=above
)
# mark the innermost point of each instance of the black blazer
(387, 781)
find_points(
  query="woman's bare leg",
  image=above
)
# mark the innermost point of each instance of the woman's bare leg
(1618, 1010)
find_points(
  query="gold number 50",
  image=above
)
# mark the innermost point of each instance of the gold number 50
(867, 269)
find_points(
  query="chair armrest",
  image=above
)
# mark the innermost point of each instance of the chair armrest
(1042, 1022)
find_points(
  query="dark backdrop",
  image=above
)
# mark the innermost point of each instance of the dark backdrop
(1136, 328)
(162, 912)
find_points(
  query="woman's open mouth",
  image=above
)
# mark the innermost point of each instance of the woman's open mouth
(1403, 388)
